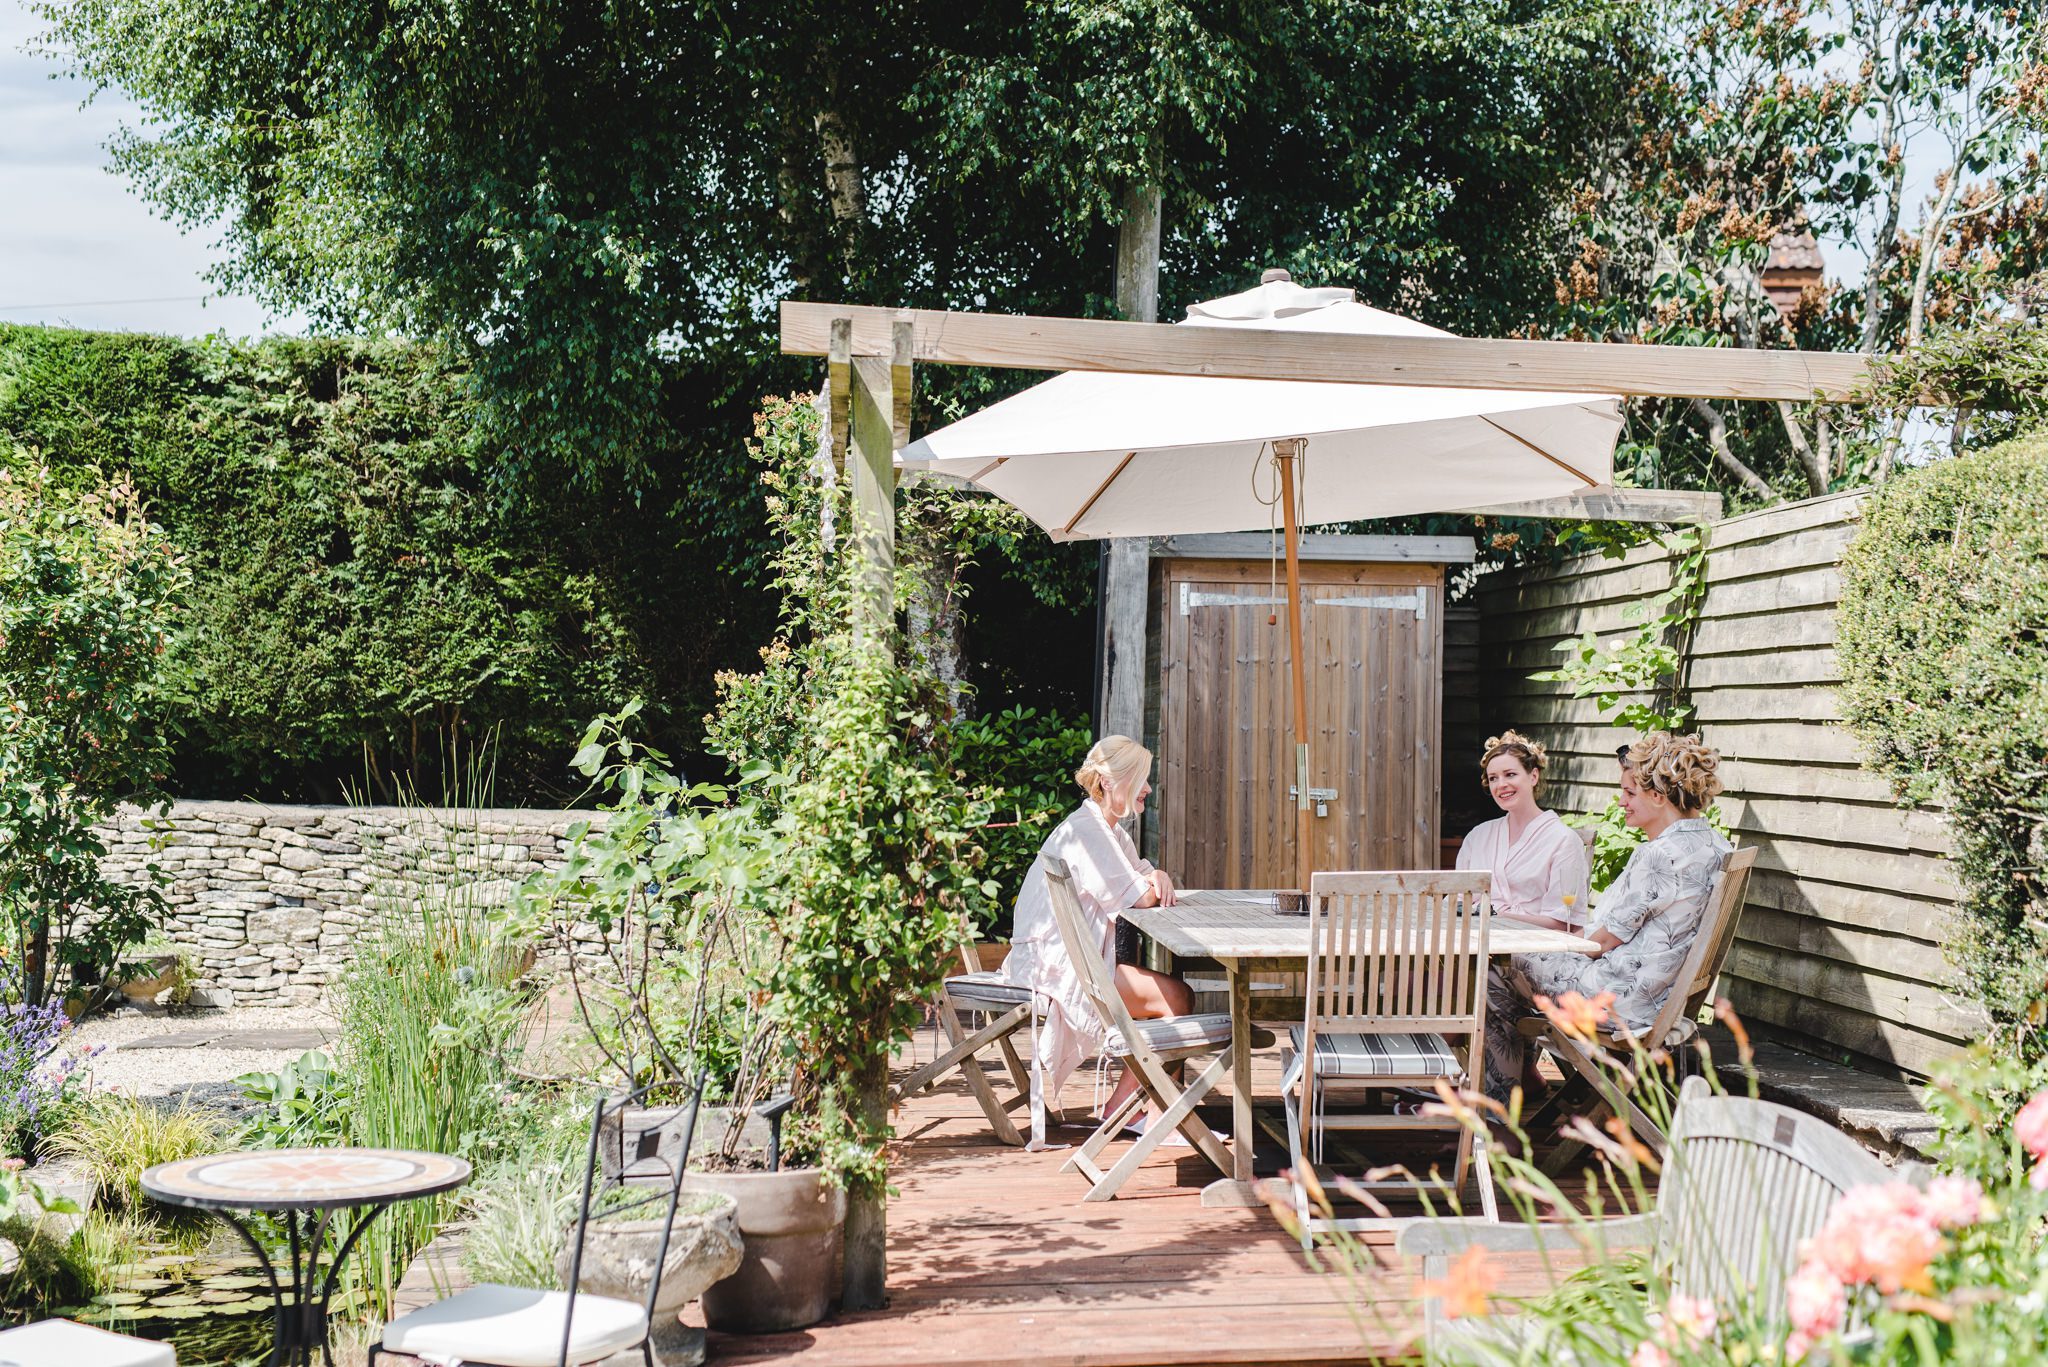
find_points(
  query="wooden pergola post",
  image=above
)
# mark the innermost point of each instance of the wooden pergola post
(874, 393)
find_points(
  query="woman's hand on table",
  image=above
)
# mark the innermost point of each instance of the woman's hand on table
(1162, 888)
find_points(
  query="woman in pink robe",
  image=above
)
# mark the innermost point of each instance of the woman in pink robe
(1539, 865)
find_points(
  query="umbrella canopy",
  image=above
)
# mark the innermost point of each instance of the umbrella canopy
(1095, 454)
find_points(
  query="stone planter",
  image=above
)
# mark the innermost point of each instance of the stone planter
(619, 1256)
(791, 1221)
(150, 977)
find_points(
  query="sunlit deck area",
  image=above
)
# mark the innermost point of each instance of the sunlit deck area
(993, 1258)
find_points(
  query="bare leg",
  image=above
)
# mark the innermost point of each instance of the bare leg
(1147, 996)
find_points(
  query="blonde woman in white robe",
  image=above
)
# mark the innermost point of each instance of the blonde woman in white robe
(1539, 866)
(1109, 878)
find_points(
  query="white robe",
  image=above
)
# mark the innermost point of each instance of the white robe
(1532, 876)
(1108, 877)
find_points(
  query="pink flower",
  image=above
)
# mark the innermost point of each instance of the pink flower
(1816, 1301)
(1898, 1253)
(1648, 1354)
(1691, 1318)
(1953, 1202)
(1797, 1346)
(1884, 1233)
(2030, 1126)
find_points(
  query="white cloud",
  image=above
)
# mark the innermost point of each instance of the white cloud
(78, 248)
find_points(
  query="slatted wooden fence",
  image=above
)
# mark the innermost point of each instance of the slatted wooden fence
(1840, 944)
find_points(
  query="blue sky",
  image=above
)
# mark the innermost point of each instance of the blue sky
(77, 247)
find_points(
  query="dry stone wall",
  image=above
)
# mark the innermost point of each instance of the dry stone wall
(268, 899)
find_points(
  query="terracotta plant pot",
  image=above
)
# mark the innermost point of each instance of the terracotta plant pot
(791, 1221)
(619, 1261)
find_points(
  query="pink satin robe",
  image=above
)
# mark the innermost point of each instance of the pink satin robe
(1533, 875)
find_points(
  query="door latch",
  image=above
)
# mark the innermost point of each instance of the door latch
(1322, 797)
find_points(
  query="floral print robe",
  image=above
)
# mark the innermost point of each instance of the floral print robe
(1654, 909)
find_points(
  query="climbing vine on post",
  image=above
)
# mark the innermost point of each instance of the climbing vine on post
(1637, 679)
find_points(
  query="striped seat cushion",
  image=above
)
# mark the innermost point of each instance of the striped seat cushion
(1177, 1032)
(1351, 1054)
(987, 990)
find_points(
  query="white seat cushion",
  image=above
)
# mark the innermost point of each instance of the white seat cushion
(67, 1343)
(1351, 1054)
(510, 1326)
(987, 990)
(1177, 1032)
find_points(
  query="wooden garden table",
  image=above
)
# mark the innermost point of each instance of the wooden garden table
(1246, 933)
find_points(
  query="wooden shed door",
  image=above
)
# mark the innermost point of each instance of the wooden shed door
(1374, 633)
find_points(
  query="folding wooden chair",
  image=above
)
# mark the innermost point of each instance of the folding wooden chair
(1675, 1025)
(1003, 1008)
(1396, 998)
(1145, 1047)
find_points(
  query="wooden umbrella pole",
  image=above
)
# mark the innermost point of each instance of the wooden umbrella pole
(1286, 451)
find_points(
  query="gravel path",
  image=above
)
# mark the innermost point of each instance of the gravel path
(204, 1072)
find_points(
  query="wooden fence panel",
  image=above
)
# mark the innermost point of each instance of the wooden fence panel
(1841, 941)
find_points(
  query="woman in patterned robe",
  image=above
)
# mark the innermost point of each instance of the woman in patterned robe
(1645, 921)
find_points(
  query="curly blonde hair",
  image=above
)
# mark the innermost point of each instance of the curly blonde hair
(1527, 753)
(1683, 770)
(1114, 764)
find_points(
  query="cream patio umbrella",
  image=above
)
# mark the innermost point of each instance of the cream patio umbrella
(1091, 454)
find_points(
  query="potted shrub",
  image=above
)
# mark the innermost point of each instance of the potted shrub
(657, 910)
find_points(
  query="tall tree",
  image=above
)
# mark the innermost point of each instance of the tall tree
(1760, 120)
(579, 195)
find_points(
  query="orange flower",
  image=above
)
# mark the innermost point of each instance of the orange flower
(1630, 1145)
(1576, 1014)
(1466, 1289)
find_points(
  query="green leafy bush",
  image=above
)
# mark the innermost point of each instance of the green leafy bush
(368, 598)
(1943, 639)
(304, 1104)
(878, 870)
(88, 591)
(1027, 760)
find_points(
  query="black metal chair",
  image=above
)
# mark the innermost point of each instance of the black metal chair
(511, 1326)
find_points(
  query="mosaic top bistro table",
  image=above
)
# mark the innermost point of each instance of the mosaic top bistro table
(316, 1195)
(1247, 933)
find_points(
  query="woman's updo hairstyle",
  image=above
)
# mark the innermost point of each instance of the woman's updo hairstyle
(1114, 764)
(1681, 769)
(1524, 751)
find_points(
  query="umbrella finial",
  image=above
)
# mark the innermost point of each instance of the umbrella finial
(1268, 277)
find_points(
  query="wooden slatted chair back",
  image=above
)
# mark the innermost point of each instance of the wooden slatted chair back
(1398, 951)
(1710, 945)
(1746, 1183)
(1085, 951)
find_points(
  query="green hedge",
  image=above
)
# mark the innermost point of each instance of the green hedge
(367, 600)
(1943, 639)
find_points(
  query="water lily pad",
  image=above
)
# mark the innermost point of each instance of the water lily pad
(179, 1312)
(120, 1298)
(233, 1283)
(167, 1260)
(175, 1302)
(147, 1283)
(222, 1297)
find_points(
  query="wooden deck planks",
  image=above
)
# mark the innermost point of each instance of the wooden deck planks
(994, 1260)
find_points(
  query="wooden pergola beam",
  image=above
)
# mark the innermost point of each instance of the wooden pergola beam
(1616, 505)
(1031, 343)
